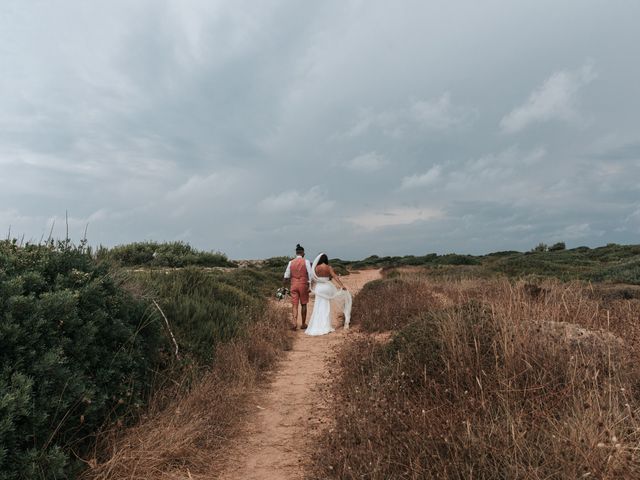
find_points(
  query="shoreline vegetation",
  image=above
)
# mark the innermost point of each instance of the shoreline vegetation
(90, 381)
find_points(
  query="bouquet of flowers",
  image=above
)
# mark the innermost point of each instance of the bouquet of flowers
(282, 293)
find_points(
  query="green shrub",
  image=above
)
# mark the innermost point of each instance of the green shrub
(80, 348)
(76, 352)
(255, 282)
(203, 308)
(171, 254)
(455, 259)
(277, 263)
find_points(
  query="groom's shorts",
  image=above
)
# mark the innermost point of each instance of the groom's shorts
(300, 293)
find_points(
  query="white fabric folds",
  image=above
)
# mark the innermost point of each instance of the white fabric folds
(326, 292)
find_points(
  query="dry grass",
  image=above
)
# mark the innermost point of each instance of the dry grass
(491, 380)
(389, 304)
(180, 441)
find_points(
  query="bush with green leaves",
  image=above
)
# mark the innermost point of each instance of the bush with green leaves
(169, 254)
(207, 308)
(557, 247)
(76, 350)
(429, 259)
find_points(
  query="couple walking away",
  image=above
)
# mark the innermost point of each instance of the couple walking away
(317, 278)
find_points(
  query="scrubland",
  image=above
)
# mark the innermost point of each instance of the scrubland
(609, 263)
(506, 365)
(88, 366)
(487, 378)
(180, 436)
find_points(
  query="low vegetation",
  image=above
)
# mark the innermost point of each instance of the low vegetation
(169, 254)
(507, 365)
(180, 437)
(488, 378)
(390, 302)
(431, 259)
(206, 308)
(76, 351)
(85, 347)
(611, 263)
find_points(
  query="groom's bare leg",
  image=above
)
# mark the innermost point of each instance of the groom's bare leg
(303, 314)
(295, 300)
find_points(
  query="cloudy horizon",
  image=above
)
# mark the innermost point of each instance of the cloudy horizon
(351, 127)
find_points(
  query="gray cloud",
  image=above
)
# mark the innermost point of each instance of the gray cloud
(352, 127)
(367, 162)
(421, 116)
(428, 178)
(556, 99)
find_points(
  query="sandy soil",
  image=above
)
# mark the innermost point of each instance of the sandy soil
(288, 412)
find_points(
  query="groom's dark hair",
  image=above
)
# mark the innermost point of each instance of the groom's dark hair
(299, 248)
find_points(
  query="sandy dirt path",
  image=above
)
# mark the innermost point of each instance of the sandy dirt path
(289, 411)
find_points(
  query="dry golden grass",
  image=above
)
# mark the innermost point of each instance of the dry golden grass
(180, 440)
(489, 379)
(390, 303)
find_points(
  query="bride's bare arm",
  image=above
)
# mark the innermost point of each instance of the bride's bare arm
(335, 277)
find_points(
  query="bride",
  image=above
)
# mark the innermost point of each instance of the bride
(325, 291)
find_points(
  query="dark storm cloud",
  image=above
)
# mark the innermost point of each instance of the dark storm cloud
(353, 127)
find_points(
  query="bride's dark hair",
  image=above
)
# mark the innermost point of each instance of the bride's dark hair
(323, 259)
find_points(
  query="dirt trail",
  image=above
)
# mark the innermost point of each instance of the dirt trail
(288, 412)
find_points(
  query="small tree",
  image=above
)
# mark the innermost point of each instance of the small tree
(557, 246)
(541, 247)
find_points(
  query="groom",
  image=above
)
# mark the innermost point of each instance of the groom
(299, 271)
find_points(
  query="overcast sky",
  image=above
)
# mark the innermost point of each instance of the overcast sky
(354, 127)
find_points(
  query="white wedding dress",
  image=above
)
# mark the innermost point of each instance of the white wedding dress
(325, 293)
